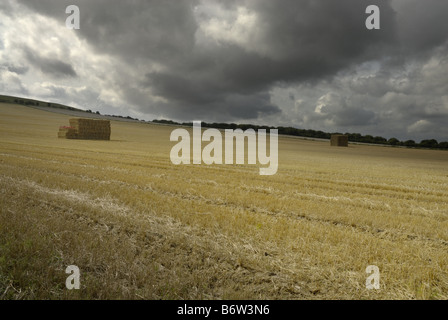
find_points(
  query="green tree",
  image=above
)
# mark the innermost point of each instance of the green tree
(379, 139)
(443, 145)
(431, 143)
(368, 139)
(393, 141)
(410, 143)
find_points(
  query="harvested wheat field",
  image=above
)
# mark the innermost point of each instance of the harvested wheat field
(139, 227)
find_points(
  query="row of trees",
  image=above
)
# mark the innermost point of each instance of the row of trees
(353, 137)
(26, 102)
(429, 143)
(30, 102)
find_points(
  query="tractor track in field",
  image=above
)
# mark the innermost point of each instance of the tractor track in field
(384, 234)
(164, 234)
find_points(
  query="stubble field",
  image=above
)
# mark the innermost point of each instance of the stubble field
(139, 227)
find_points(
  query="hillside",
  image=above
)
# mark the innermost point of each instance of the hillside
(289, 131)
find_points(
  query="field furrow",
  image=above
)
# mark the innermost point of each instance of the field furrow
(140, 227)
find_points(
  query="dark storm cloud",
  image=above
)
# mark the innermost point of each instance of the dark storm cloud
(141, 29)
(306, 40)
(50, 66)
(178, 68)
(423, 24)
(231, 106)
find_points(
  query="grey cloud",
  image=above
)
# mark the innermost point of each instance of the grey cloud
(53, 67)
(5, 6)
(386, 104)
(331, 33)
(84, 98)
(10, 83)
(308, 40)
(20, 70)
(354, 116)
(302, 52)
(341, 111)
(422, 24)
(57, 92)
(308, 47)
(229, 108)
(144, 29)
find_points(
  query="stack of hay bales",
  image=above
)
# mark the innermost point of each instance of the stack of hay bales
(67, 133)
(339, 140)
(90, 129)
(87, 129)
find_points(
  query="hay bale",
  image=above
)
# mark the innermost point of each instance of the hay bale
(87, 129)
(67, 133)
(339, 140)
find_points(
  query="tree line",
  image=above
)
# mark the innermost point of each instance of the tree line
(291, 131)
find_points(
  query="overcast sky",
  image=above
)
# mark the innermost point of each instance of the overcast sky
(310, 64)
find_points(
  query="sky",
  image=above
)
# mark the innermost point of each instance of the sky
(310, 64)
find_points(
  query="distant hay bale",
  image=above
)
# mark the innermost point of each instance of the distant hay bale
(86, 129)
(339, 140)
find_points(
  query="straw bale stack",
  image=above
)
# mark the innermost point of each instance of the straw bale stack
(87, 129)
(67, 133)
(339, 140)
(91, 129)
